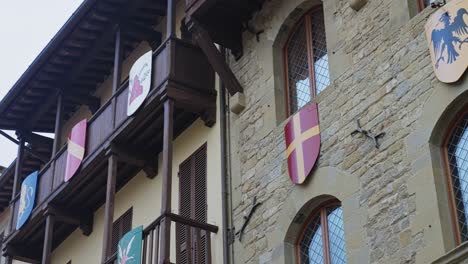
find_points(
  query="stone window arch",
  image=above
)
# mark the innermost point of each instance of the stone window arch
(306, 60)
(455, 154)
(322, 238)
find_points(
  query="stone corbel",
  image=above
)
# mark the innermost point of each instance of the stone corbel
(237, 103)
(357, 4)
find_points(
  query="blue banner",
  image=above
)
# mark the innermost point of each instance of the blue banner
(27, 199)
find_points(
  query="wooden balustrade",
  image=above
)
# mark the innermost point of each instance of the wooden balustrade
(197, 254)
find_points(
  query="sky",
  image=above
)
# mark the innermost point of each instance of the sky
(26, 26)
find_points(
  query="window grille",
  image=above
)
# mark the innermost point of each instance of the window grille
(322, 240)
(306, 59)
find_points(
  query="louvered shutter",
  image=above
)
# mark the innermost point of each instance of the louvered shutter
(192, 204)
(200, 201)
(120, 227)
(185, 171)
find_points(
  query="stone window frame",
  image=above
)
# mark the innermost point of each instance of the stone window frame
(306, 18)
(321, 211)
(453, 124)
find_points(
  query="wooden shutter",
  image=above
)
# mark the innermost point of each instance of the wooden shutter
(192, 204)
(120, 227)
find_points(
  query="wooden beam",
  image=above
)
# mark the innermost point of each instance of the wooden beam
(167, 182)
(136, 158)
(109, 207)
(58, 125)
(62, 215)
(171, 19)
(204, 41)
(117, 71)
(48, 239)
(11, 250)
(38, 140)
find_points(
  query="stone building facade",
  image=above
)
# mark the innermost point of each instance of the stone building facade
(394, 199)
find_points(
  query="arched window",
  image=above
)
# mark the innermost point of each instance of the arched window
(322, 240)
(306, 60)
(456, 148)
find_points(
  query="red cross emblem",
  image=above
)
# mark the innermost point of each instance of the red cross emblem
(302, 135)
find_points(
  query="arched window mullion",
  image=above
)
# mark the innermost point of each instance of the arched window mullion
(310, 53)
(451, 196)
(313, 244)
(326, 245)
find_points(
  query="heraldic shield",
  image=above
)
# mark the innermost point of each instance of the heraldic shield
(302, 135)
(139, 83)
(75, 149)
(129, 248)
(447, 36)
(27, 199)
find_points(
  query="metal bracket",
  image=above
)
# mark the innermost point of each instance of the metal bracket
(368, 134)
(248, 217)
(231, 235)
(438, 4)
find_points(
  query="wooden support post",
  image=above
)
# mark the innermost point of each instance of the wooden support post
(58, 125)
(166, 182)
(118, 54)
(171, 19)
(17, 179)
(16, 187)
(109, 207)
(48, 239)
(18, 168)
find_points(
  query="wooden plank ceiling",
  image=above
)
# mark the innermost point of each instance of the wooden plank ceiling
(77, 60)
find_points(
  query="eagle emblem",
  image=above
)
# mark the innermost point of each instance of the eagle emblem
(447, 32)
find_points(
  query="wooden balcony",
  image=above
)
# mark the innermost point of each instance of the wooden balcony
(180, 72)
(198, 241)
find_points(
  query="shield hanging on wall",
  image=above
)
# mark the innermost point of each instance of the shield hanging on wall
(129, 247)
(75, 149)
(139, 82)
(447, 36)
(302, 136)
(27, 199)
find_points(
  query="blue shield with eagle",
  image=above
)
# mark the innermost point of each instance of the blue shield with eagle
(129, 248)
(27, 199)
(447, 36)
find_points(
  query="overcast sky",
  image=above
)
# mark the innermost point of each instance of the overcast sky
(26, 26)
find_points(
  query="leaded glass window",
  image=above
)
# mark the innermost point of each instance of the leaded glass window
(457, 157)
(306, 59)
(322, 240)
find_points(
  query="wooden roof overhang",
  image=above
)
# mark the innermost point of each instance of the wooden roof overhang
(77, 60)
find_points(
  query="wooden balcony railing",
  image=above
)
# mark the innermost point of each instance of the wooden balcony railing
(152, 241)
(176, 62)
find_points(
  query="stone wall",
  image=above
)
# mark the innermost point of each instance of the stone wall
(393, 198)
